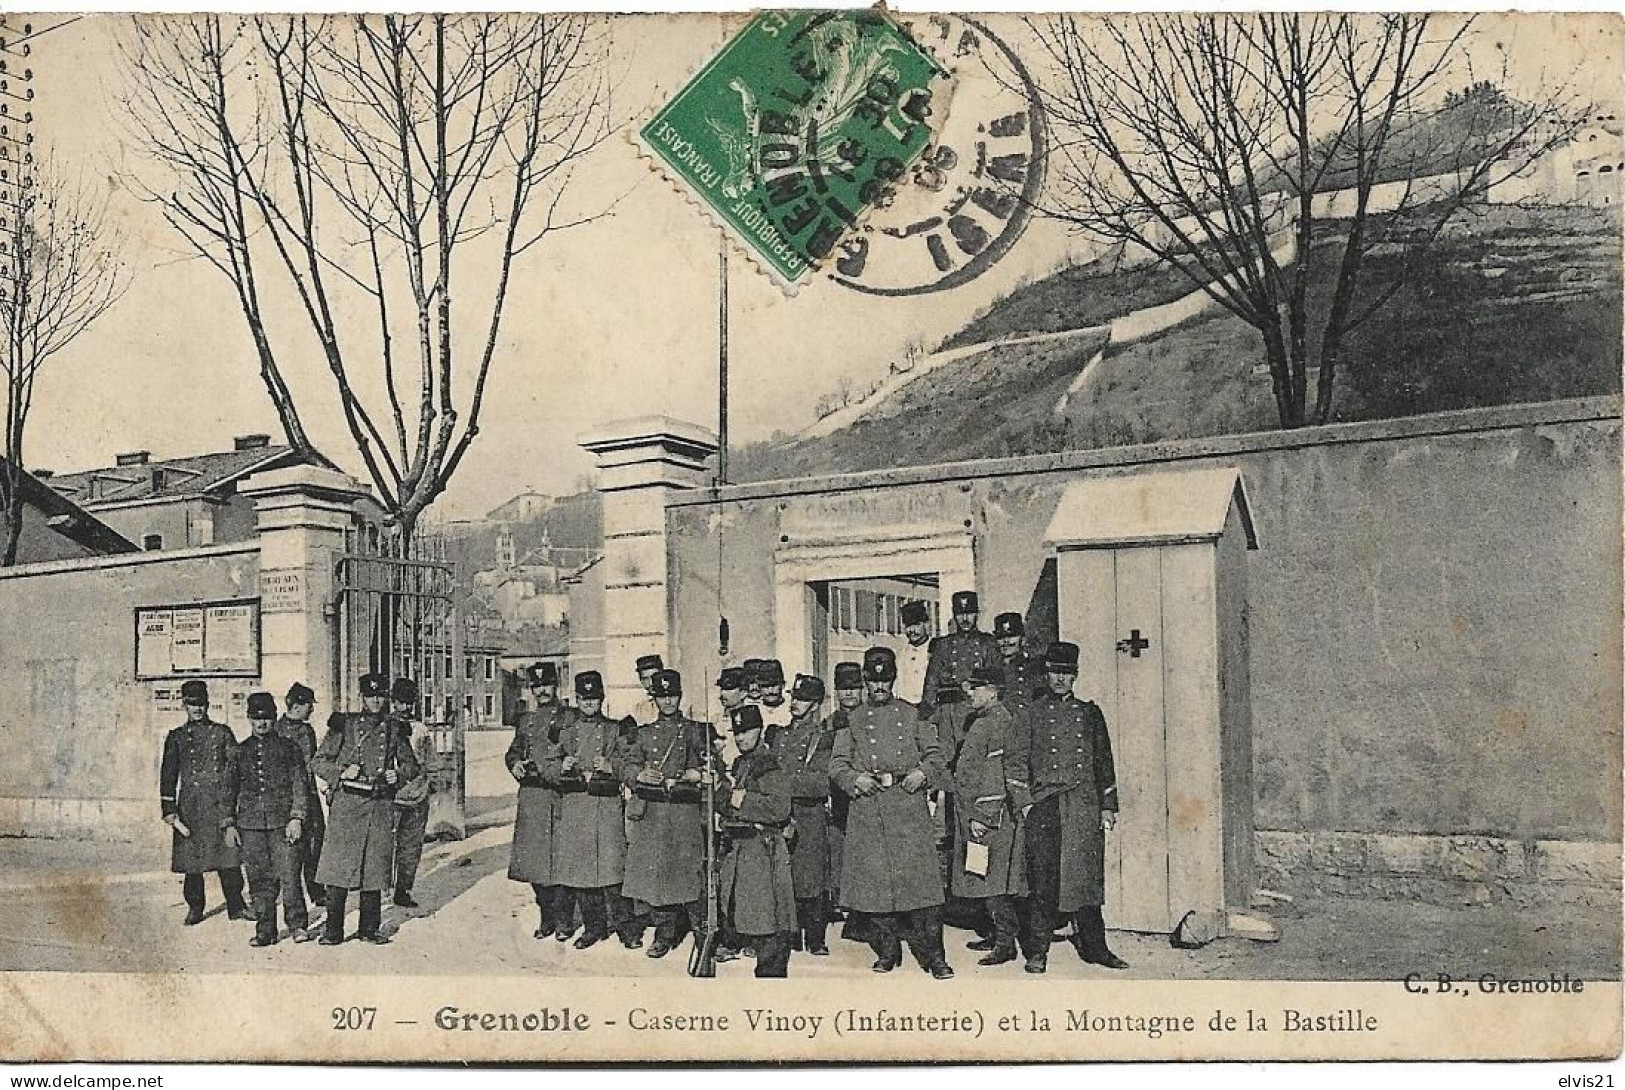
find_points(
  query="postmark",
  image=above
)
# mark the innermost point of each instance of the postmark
(799, 127)
(969, 197)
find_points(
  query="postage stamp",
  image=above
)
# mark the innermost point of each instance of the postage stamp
(802, 124)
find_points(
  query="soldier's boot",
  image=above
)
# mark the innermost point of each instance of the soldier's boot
(1034, 934)
(885, 942)
(192, 890)
(665, 932)
(1002, 911)
(773, 955)
(625, 918)
(403, 897)
(546, 924)
(231, 884)
(372, 917)
(333, 924)
(1091, 939)
(817, 926)
(594, 918)
(264, 924)
(565, 904)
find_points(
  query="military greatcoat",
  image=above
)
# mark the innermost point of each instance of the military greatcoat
(1061, 751)
(535, 827)
(192, 784)
(303, 735)
(982, 795)
(358, 852)
(590, 846)
(889, 860)
(665, 850)
(953, 657)
(803, 747)
(756, 888)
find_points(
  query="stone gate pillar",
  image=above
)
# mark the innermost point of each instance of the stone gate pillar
(641, 462)
(303, 513)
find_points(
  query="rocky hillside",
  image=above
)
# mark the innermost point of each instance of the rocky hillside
(1512, 305)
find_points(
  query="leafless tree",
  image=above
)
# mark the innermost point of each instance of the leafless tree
(62, 269)
(1261, 154)
(369, 170)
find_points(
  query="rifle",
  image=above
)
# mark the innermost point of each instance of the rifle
(702, 961)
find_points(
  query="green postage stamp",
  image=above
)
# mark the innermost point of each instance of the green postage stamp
(804, 121)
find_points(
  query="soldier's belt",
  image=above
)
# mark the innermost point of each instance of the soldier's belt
(684, 793)
(571, 785)
(886, 779)
(366, 789)
(951, 696)
(603, 787)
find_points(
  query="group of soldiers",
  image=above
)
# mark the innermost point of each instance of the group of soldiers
(257, 805)
(988, 787)
(963, 774)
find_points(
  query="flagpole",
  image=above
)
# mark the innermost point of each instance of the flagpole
(722, 362)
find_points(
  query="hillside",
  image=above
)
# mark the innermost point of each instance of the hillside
(1509, 306)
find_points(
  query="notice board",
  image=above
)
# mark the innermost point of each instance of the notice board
(206, 639)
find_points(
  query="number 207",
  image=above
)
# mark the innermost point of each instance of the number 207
(354, 1017)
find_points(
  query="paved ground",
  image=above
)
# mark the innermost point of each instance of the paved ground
(114, 908)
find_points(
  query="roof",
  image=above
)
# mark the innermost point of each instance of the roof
(1149, 509)
(72, 521)
(183, 478)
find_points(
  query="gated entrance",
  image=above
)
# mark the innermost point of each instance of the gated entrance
(397, 613)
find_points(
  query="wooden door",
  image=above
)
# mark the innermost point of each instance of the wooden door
(1108, 597)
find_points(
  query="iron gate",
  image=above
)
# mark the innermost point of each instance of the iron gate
(398, 613)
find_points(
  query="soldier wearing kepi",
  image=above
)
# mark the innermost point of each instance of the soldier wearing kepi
(755, 887)
(1023, 674)
(989, 862)
(295, 727)
(195, 800)
(269, 781)
(364, 760)
(1063, 783)
(647, 666)
(767, 685)
(848, 697)
(412, 800)
(953, 656)
(590, 843)
(665, 851)
(885, 760)
(803, 748)
(535, 759)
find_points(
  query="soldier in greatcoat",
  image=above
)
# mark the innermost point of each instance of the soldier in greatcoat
(363, 759)
(767, 690)
(590, 854)
(953, 656)
(294, 725)
(1023, 673)
(194, 798)
(412, 800)
(803, 747)
(848, 678)
(665, 851)
(535, 759)
(1063, 782)
(755, 885)
(989, 861)
(269, 784)
(885, 761)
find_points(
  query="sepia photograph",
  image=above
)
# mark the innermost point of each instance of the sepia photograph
(1071, 536)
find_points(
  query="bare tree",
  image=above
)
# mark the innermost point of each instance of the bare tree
(370, 170)
(1261, 154)
(63, 269)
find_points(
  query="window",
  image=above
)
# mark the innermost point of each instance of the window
(468, 667)
(152, 542)
(490, 671)
(468, 704)
(490, 705)
(447, 672)
(428, 708)
(448, 707)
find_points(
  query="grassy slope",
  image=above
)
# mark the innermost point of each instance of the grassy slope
(1515, 305)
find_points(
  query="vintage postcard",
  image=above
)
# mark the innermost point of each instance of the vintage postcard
(810, 535)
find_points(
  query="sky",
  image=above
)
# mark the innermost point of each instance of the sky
(612, 320)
